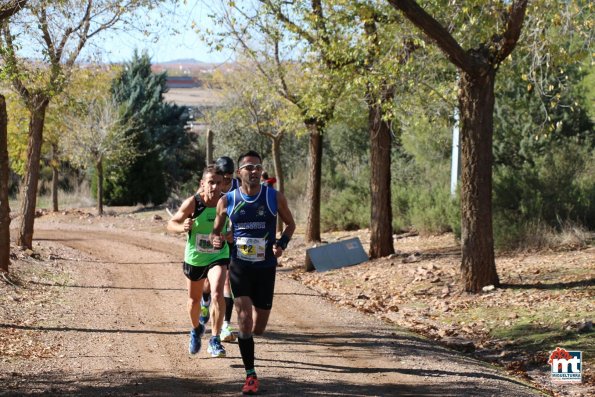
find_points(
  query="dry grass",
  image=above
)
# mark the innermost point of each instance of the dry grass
(538, 237)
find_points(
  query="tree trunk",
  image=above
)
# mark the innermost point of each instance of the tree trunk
(314, 181)
(381, 230)
(209, 154)
(29, 187)
(4, 206)
(276, 141)
(55, 176)
(476, 101)
(99, 167)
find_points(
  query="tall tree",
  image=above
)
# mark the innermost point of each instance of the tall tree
(166, 154)
(7, 10)
(477, 67)
(250, 107)
(98, 134)
(378, 67)
(4, 207)
(312, 86)
(55, 32)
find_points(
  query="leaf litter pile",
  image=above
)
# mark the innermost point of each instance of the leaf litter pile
(546, 300)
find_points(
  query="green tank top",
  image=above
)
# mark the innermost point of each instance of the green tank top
(199, 250)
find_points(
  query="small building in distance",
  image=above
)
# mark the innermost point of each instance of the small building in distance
(182, 82)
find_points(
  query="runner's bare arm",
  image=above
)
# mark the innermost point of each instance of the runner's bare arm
(216, 237)
(286, 216)
(181, 221)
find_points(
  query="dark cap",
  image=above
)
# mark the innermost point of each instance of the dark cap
(225, 165)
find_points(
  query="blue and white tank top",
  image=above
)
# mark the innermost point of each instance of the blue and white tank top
(254, 220)
(235, 183)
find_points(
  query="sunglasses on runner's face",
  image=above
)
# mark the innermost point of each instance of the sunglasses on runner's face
(251, 167)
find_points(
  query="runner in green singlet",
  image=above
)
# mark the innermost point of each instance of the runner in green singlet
(201, 261)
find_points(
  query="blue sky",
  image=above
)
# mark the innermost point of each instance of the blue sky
(169, 45)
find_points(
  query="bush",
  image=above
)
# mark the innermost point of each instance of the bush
(549, 193)
(425, 209)
(536, 235)
(348, 209)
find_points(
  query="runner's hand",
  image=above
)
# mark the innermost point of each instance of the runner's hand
(188, 224)
(217, 241)
(278, 251)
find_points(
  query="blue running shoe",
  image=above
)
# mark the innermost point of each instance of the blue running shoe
(215, 347)
(205, 313)
(195, 335)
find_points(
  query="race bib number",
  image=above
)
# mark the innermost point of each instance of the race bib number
(251, 249)
(203, 244)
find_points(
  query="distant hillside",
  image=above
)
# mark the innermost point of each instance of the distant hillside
(201, 71)
(184, 61)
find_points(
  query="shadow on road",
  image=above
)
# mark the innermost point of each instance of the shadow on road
(132, 384)
(571, 284)
(107, 287)
(90, 330)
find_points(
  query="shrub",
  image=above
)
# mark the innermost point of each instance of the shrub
(348, 209)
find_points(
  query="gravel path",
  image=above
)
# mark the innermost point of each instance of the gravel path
(122, 328)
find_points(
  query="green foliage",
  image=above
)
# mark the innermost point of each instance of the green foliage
(253, 115)
(18, 126)
(552, 190)
(543, 154)
(347, 209)
(166, 155)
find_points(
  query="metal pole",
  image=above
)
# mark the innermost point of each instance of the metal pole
(455, 156)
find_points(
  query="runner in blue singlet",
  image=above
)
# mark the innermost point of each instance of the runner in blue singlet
(253, 210)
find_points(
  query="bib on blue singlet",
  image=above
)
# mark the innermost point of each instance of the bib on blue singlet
(251, 249)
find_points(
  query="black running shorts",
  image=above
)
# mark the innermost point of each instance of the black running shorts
(195, 273)
(253, 281)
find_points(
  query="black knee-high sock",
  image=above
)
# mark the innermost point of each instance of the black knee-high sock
(228, 308)
(247, 351)
(206, 296)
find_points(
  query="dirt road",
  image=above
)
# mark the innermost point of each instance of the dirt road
(123, 330)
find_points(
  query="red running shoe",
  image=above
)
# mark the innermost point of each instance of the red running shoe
(251, 385)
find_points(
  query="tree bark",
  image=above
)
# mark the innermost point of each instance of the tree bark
(9, 8)
(209, 154)
(314, 181)
(381, 231)
(29, 187)
(4, 206)
(276, 143)
(55, 176)
(99, 167)
(476, 101)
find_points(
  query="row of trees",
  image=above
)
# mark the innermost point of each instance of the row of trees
(322, 64)
(313, 54)
(40, 43)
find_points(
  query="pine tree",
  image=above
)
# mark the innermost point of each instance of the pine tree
(163, 146)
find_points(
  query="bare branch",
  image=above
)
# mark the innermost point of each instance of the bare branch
(12, 7)
(84, 25)
(11, 63)
(434, 29)
(47, 38)
(513, 30)
(289, 24)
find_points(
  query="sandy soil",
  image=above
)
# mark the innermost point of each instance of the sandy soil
(113, 323)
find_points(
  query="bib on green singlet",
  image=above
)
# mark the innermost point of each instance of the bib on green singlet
(203, 244)
(199, 250)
